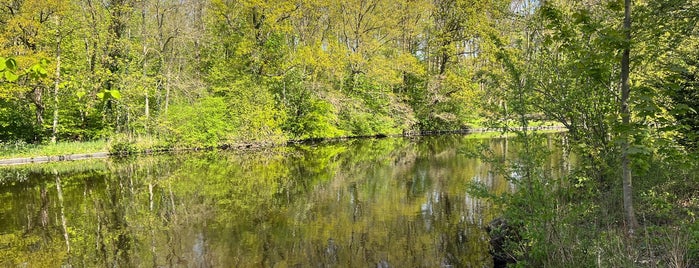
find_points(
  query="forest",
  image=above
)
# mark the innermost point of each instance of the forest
(620, 76)
(203, 73)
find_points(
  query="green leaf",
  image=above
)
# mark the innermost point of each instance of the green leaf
(38, 70)
(11, 76)
(115, 93)
(2, 64)
(11, 64)
(80, 94)
(101, 95)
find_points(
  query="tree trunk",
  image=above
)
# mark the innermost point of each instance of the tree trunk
(36, 97)
(167, 86)
(144, 73)
(56, 83)
(631, 221)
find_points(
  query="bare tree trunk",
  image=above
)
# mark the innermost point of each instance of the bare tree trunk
(167, 86)
(145, 56)
(56, 82)
(36, 97)
(631, 221)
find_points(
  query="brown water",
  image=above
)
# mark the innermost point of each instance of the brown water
(393, 202)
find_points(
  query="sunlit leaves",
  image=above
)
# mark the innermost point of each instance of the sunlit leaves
(318, 120)
(203, 124)
(38, 70)
(11, 73)
(106, 94)
(8, 67)
(11, 76)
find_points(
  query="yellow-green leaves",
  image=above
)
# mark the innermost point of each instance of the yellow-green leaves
(8, 63)
(8, 66)
(11, 73)
(38, 70)
(108, 94)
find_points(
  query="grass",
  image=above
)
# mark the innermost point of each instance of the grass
(21, 149)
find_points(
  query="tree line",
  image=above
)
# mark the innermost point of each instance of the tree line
(223, 71)
(208, 72)
(621, 76)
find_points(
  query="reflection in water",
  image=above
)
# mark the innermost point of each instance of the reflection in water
(360, 203)
(64, 224)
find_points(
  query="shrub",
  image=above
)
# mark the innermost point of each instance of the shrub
(122, 145)
(204, 124)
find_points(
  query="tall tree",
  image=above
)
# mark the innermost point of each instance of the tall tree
(629, 211)
(56, 79)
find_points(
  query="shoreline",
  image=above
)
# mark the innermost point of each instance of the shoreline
(98, 155)
(53, 158)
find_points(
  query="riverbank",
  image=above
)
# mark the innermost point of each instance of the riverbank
(18, 154)
(22, 153)
(55, 158)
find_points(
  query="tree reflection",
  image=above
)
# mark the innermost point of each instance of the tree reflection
(375, 203)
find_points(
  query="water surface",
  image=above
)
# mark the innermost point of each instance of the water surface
(395, 202)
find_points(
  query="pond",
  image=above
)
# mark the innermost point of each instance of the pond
(393, 202)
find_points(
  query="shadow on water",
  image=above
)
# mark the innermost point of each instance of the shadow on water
(396, 202)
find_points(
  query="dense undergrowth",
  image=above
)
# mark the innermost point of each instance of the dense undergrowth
(574, 218)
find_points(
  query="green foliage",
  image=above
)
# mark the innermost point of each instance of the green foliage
(206, 123)
(108, 94)
(252, 110)
(682, 86)
(8, 68)
(285, 70)
(11, 72)
(38, 70)
(121, 145)
(566, 67)
(13, 123)
(206, 73)
(361, 123)
(317, 120)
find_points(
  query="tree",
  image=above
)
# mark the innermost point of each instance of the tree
(60, 34)
(24, 31)
(626, 122)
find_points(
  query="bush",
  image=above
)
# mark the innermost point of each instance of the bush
(204, 124)
(367, 124)
(250, 112)
(121, 145)
(317, 121)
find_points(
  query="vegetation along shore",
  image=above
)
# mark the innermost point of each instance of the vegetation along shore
(622, 77)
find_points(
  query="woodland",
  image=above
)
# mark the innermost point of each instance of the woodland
(621, 76)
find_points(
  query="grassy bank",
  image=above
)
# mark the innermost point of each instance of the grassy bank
(22, 150)
(120, 144)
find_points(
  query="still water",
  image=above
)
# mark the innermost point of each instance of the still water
(396, 202)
